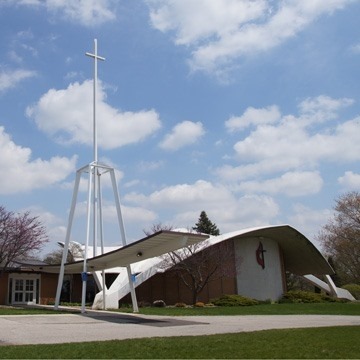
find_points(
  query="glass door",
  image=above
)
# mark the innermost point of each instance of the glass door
(29, 291)
(18, 297)
(24, 291)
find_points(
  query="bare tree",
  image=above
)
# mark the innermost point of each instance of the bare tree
(198, 264)
(20, 236)
(340, 237)
(157, 227)
(75, 253)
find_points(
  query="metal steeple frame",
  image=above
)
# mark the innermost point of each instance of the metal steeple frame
(95, 171)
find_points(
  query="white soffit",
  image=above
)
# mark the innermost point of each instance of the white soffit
(299, 253)
(154, 245)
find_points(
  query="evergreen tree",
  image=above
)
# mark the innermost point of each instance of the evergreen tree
(204, 225)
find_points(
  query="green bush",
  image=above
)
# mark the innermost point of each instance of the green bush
(354, 289)
(234, 300)
(299, 296)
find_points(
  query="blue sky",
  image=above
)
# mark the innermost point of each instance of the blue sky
(248, 110)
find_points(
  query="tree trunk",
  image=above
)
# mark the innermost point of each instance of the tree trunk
(195, 297)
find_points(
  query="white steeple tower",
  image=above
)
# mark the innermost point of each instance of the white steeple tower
(94, 171)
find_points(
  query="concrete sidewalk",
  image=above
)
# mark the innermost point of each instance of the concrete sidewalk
(101, 325)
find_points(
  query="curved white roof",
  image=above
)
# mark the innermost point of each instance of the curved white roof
(299, 253)
(152, 246)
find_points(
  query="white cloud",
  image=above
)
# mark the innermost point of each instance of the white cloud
(54, 224)
(291, 144)
(350, 181)
(23, 174)
(182, 194)
(86, 12)
(309, 220)
(133, 214)
(220, 32)
(291, 184)
(11, 78)
(194, 21)
(67, 115)
(253, 116)
(322, 108)
(183, 134)
(219, 202)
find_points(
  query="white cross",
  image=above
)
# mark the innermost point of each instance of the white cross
(96, 58)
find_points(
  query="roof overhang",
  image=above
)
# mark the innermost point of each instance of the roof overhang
(300, 255)
(154, 245)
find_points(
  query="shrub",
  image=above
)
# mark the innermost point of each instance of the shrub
(199, 304)
(354, 289)
(159, 303)
(124, 305)
(299, 296)
(180, 304)
(234, 300)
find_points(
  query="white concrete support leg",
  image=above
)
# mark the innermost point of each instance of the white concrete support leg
(84, 279)
(101, 230)
(333, 288)
(67, 240)
(123, 236)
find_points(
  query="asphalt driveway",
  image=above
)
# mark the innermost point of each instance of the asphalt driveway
(101, 325)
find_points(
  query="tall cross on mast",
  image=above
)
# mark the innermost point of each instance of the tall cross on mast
(96, 58)
(95, 170)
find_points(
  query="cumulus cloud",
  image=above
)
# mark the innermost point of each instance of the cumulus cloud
(231, 212)
(133, 214)
(350, 180)
(11, 78)
(290, 143)
(85, 12)
(194, 21)
(55, 226)
(183, 134)
(220, 32)
(254, 117)
(308, 220)
(322, 108)
(294, 183)
(66, 115)
(24, 174)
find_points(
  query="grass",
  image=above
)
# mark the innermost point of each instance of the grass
(315, 343)
(6, 310)
(350, 308)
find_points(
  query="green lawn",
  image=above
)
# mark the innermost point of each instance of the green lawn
(31, 311)
(316, 343)
(324, 343)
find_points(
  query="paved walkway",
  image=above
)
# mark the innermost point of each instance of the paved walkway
(99, 325)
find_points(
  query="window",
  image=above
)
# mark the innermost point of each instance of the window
(24, 288)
